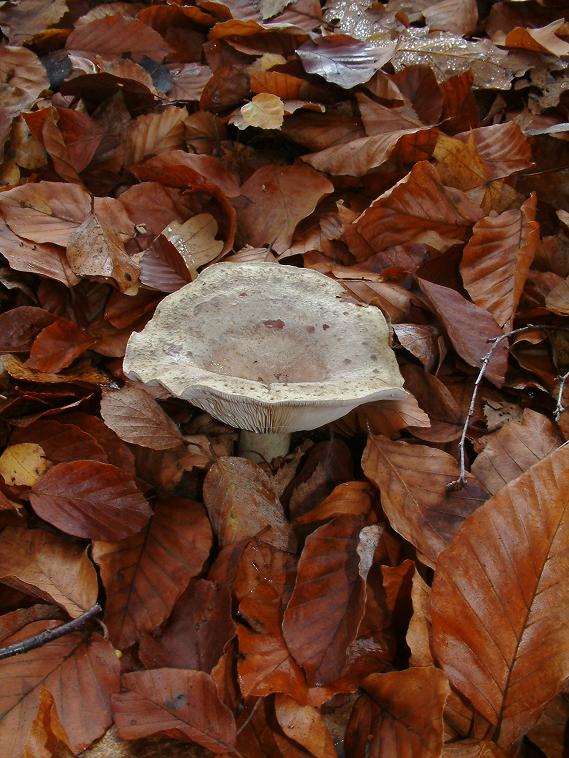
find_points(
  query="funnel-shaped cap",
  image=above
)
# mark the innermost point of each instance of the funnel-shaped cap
(266, 348)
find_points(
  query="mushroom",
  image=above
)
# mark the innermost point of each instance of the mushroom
(267, 348)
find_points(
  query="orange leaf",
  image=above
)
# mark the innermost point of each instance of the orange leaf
(90, 499)
(410, 711)
(541, 40)
(496, 260)
(327, 603)
(417, 209)
(47, 737)
(58, 345)
(304, 725)
(427, 516)
(145, 574)
(500, 601)
(349, 498)
(175, 703)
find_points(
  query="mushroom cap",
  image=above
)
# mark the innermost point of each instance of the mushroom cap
(266, 347)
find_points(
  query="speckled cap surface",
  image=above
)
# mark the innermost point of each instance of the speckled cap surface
(266, 348)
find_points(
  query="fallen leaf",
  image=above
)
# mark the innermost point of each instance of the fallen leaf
(195, 240)
(241, 503)
(470, 329)
(435, 398)
(46, 260)
(305, 725)
(514, 448)
(275, 199)
(20, 326)
(61, 441)
(45, 211)
(174, 703)
(540, 40)
(344, 61)
(136, 417)
(90, 499)
(428, 517)
(265, 111)
(22, 465)
(22, 75)
(417, 209)
(48, 566)
(47, 737)
(458, 16)
(145, 574)
(80, 673)
(194, 637)
(327, 604)
(154, 133)
(58, 345)
(496, 260)
(418, 635)
(115, 35)
(163, 267)
(409, 711)
(497, 585)
(349, 498)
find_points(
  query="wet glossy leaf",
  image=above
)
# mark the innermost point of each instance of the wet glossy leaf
(344, 61)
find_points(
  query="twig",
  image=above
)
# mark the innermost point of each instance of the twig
(462, 481)
(559, 408)
(49, 634)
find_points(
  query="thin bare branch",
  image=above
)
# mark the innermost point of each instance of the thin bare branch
(49, 634)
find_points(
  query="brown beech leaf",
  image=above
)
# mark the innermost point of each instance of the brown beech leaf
(136, 417)
(349, 498)
(49, 567)
(71, 139)
(241, 503)
(115, 449)
(95, 248)
(58, 345)
(500, 601)
(418, 209)
(35, 258)
(112, 36)
(23, 464)
(435, 398)
(22, 75)
(84, 372)
(514, 448)
(305, 725)
(90, 499)
(472, 749)
(145, 574)
(176, 703)
(47, 737)
(342, 60)
(177, 168)
(19, 327)
(61, 441)
(328, 600)
(45, 211)
(419, 630)
(196, 633)
(458, 16)
(412, 480)
(496, 260)
(265, 664)
(409, 711)
(195, 240)
(154, 133)
(80, 672)
(470, 328)
(275, 199)
(549, 734)
(163, 267)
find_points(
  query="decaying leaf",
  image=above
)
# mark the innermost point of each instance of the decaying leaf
(265, 111)
(23, 464)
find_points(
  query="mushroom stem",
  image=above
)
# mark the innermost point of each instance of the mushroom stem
(263, 447)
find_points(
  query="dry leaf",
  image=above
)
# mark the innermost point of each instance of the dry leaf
(23, 464)
(265, 111)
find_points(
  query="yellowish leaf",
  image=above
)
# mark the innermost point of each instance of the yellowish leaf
(23, 464)
(264, 111)
(195, 240)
